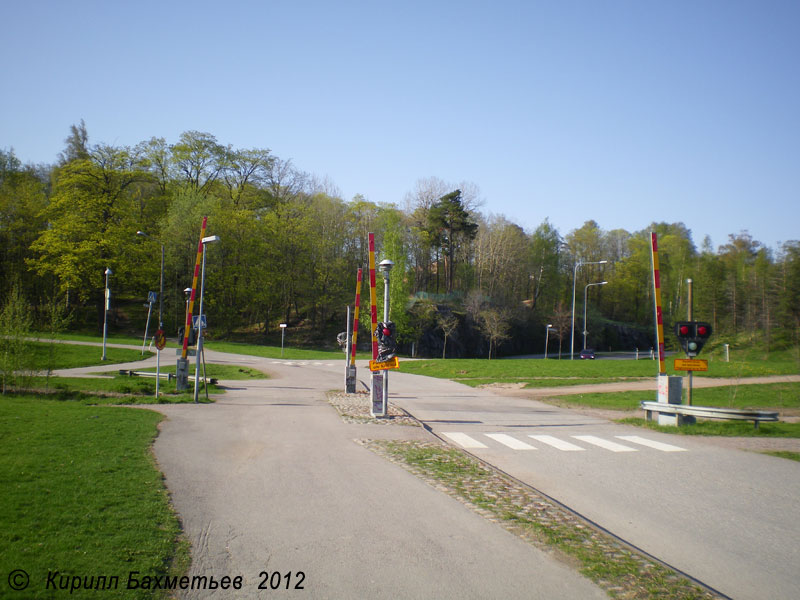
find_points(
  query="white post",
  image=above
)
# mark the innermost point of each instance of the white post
(199, 329)
(106, 307)
(147, 325)
(204, 241)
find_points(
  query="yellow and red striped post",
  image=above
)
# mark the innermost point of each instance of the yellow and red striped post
(355, 319)
(194, 289)
(662, 367)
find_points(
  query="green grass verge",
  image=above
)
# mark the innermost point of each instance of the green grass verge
(81, 495)
(533, 517)
(785, 454)
(215, 371)
(539, 373)
(275, 351)
(773, 396)
(70, 356)
(722, 428)
(120, 389)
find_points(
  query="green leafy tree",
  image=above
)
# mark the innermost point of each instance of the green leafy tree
(92, 224)
(16, 362)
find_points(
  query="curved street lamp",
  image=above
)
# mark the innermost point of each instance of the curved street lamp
(204, 241)
(585, 290)
(572, 331)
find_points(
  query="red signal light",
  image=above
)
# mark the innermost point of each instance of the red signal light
(684, 330)
(702, 331)
(387, 331)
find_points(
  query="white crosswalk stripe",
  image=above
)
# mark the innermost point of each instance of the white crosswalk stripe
(509, 441)
(635, 439)
(463, 440)
(607, 444)
(557, 443)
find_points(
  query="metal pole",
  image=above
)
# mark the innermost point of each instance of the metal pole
(547, 339)
(147, 325)
(585, 297)
(584, 308)
(106, 305)
(385, 320)
(690, 315)
(199, 328)
(572, 330)
(160, 318)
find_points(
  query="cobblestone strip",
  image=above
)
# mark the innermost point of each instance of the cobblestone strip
(620, 570)
(354, 408)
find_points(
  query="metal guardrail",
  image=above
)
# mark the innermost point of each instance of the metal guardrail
(710, 412)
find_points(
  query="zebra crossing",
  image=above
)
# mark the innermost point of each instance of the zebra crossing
(304, 363)
(575, 443)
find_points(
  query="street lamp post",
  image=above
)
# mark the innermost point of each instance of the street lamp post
(385, 267)
(205, 240)
(106, 307)
(160, 310)
(547, 338)
(572, 330)
(585, 290)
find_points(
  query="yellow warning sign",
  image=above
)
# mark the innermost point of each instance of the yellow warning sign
(374, 365)
(691, 364)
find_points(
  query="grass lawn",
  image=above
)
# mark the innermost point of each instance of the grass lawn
(81, 495)
(546, 373)
(783, 454)
(275, 351)
(775, 396)
(70, 356)
(722, 428)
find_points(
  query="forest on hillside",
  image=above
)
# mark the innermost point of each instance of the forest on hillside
(465, 282)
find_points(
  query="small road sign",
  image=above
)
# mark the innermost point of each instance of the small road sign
(152, 297)
(691, 364)
(202, 319)
(392, 363)
(160, 339)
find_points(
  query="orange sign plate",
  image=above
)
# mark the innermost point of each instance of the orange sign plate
(691, 364)
(374, 365)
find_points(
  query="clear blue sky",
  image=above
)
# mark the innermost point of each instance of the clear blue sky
(625, 112)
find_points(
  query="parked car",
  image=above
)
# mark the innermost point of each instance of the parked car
(587, 353)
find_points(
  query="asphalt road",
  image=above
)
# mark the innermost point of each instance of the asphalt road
(270, 479)
(727, 517)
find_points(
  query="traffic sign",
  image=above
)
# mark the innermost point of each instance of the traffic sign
(202, 319)
(392, 363)
(152, 297)
(160, 339)
(691, 364)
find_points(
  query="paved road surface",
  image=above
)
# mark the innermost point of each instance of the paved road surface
(727, 517)
(270, 478)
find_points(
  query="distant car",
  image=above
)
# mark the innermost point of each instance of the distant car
(587, 354)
